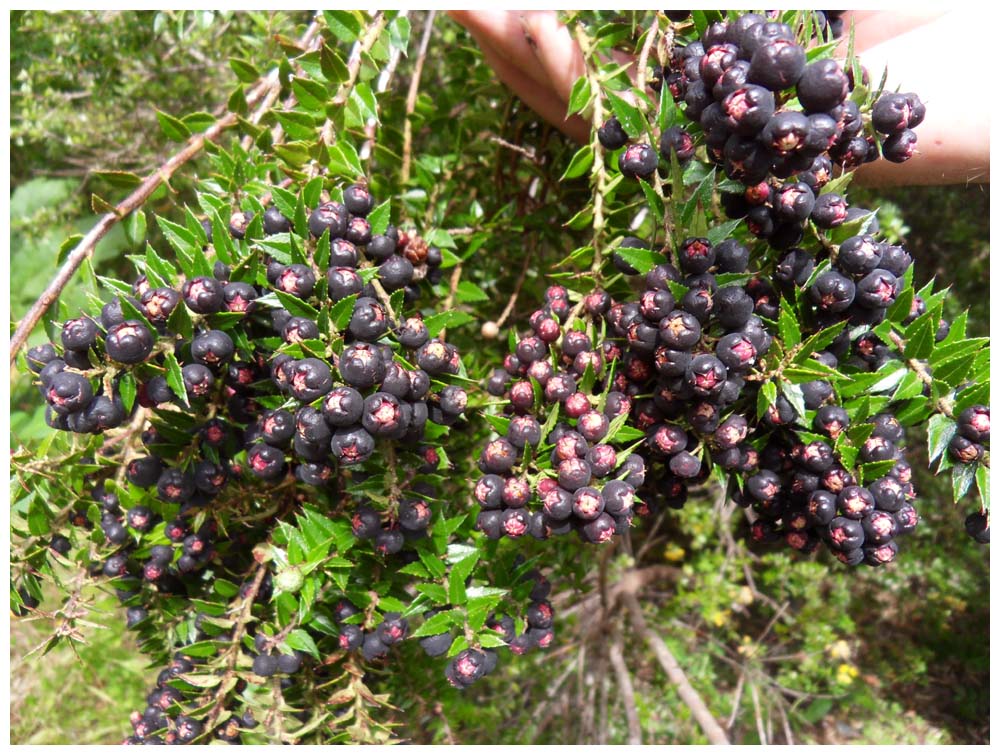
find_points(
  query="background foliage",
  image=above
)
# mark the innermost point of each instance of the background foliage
(789, 649)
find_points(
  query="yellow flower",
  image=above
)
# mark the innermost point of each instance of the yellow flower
(747, 647)
(846, 673)
(674, 553)
(839, 650)
(719, 618)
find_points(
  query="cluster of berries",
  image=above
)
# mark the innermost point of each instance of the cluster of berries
(161, 723)
(970, 444)
(373, 642)
(687, 345)
(804, 496)
(407, 520)
(829, 22)
(472, 664)
(242, 390)
(574, 471)
(325, 411)
(773, 122)
(694, 361)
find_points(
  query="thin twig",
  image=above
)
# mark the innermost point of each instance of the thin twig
(517, 290)
(246, 614)
(524, 151)
(632, 582)
(449, 302)
(640, 77)
(688, 694)
(761, 734)
(553, 688)
(943, 405)
(384, 80)
(411, 96)
(737, 696)
(132, 202)
(628, 694)
(306, 43)
(353, 69)
(786, 727)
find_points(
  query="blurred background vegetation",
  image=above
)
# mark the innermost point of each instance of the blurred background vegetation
(786, 649)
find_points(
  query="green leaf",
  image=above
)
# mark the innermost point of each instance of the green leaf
(642, 260)
(909, 387)
(298, 125)
(203, 649)
(628, 116)
(962, 476)
(296, 306)
(467, 291)
(399, 32)
(118, 178)
(361, 106)
(174, 376)
(580, 163)
(135, 228)
(198, 122)
(788, 327)
(668, 113)
(68, 246)
(765, 398)
(954, 371)
(158, 270)
(974, 394)
(312, 191)
(437, 593)
(653, 200)
(300, 639)
(237, 102)
(345, 161)
(311, 95)
(452, 318)
(940, 430)
(440, 623)
(127, 390)
(332, 65)
(983, 484)
(946, 351)
(720, 233)
(920, 337)
(488, 639)
(174, 129)
(456, 578)
(344, 24)
(379, 218)
(189, 254)
(244, 70)
(180, 322)
(579, 96)
(794, 395)
(873, 470)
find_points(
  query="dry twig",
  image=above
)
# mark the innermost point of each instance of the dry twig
(628, 694)
(688, 694)
(411, 96)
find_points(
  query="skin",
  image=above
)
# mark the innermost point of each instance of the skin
(537, 57)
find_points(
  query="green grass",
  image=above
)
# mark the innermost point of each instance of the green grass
(78, 693)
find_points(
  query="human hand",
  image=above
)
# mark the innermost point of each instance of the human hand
(539, 60)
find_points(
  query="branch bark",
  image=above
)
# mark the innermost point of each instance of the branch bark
(688, 694)
(617, 659)
(411, 96)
